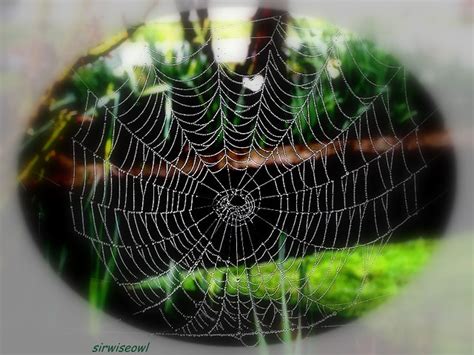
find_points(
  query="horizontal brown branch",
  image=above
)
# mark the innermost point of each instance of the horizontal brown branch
(61, 166)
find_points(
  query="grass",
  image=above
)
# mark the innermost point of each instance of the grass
(349, 282)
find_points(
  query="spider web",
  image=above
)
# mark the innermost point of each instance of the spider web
(217, 173)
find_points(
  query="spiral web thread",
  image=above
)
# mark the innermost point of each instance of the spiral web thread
(141, 213)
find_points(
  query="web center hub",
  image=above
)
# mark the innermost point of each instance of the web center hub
(234, 206)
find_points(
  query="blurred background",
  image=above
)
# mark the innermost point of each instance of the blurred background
(40, 39)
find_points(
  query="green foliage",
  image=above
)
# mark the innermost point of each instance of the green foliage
(345, 78)
(97, 78)
(343, 75)
(349, 282)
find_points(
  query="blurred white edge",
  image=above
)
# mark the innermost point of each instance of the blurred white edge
(39, 314)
